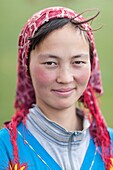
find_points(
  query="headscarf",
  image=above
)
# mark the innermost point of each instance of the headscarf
(25, 95)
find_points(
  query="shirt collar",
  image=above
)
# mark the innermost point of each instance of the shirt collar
(54, 131)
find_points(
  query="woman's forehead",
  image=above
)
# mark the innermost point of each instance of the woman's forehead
(67, 37)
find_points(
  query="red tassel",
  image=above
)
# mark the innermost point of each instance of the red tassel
(98, 128)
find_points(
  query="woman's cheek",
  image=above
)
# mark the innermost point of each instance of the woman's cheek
(84, 76)
(42, 76)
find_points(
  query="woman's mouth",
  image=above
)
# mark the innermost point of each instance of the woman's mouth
(63, 92)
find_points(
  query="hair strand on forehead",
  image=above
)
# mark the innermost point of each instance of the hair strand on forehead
(73, 20)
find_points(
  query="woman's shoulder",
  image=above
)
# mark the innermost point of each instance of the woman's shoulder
(4, 133)
(5, 147)
(5, 138)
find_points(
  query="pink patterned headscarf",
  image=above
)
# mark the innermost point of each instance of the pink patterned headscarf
(25, 95)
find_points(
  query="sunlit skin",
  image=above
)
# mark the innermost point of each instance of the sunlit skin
(60, 69)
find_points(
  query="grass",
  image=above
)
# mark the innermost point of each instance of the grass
(14, 14)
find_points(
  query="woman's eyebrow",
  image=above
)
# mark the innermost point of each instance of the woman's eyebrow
(81, 55)
(43, 56)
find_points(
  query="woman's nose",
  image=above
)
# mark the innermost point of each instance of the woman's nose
(65, 75)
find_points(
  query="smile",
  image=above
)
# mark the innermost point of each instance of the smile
(64, 92)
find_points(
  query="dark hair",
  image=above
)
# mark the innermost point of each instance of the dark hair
(46, 29)
(52, 25)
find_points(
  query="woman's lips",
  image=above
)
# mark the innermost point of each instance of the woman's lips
(64, 92)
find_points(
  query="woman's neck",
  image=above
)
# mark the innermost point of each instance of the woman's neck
(67, 118)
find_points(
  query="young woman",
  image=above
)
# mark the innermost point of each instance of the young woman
(58, 123)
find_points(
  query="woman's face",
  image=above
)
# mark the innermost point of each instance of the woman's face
(60, 68)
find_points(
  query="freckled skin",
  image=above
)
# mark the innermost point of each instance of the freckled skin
(62, 72)
(41, 75)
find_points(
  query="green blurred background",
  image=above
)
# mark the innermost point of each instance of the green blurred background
(14, 14)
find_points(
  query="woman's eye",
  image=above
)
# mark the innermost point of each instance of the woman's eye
(50, 63)
(79, 62)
